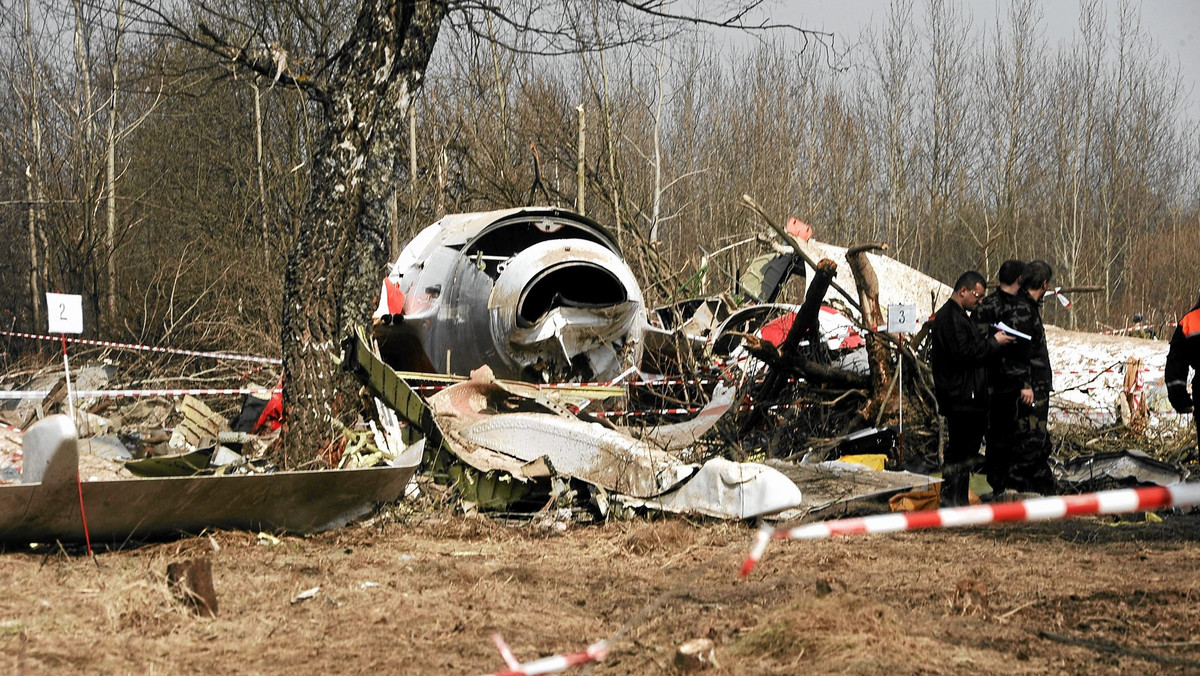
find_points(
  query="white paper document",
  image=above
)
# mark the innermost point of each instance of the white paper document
(1011, 331)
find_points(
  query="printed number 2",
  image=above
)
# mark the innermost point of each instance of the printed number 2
(62, 311)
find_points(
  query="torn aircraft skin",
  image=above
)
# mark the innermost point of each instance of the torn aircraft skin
(537, 294)
(528, 433)
(490, 425)
(45, 506)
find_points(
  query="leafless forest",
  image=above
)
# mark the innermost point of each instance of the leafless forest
(167, 185)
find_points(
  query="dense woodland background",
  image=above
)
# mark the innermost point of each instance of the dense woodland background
(166, 187)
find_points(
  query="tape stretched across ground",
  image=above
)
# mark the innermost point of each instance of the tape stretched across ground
(1040, 509)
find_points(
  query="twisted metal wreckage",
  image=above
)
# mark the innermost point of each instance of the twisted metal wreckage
(544, 296)
(540, 305)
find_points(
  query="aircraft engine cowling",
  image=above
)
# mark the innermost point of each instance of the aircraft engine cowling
(567, 309)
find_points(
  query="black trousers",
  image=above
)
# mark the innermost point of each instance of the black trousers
(965, 434)
(1002, 423)
(1031, 447)
(1196, 412)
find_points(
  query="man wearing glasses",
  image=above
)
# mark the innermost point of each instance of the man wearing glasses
(1030, 454)
(959, 357)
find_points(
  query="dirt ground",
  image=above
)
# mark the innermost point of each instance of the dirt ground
(421, 593)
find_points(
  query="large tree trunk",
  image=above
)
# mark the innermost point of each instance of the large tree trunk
(378, 68)
(878, 354)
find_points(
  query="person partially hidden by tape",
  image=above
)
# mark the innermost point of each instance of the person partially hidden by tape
(1183, 354)
(960, 351)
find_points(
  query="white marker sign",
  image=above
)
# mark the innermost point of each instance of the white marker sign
(65, 312)
(902, 319)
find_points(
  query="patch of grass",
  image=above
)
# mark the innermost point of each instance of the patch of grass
(12, 627)
(777, 641)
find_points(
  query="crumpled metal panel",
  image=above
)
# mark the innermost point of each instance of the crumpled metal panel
(47, 508)
(681, 435)
(729, 490)
(473, 416)
(585, 450)
(1119, 466)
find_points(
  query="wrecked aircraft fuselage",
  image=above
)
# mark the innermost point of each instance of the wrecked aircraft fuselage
(538, 294)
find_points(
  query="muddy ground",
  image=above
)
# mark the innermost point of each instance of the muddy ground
(421, 592)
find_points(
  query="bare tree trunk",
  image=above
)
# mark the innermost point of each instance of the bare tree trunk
(379, 67)
(615, 183)
(878, 356)
(581, 164)
(894, 65)
(110, 173)
(260, 172)
(656, 197)
(33, 174)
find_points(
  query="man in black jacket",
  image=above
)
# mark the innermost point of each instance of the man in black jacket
(1004, 375)
(959, 356)
(1184, 353)
(1029, 470)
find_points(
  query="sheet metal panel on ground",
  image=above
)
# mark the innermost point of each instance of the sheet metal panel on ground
(48, 509)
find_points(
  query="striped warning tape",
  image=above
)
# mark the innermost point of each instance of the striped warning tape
(669, 382)
(1039, 509)
(42, 394)
(1112, 369)
(146, 348)
(1136, 327)
(596, 652)
(686, 411)
(11, 428)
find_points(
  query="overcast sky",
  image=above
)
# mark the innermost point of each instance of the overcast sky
(1173, 24)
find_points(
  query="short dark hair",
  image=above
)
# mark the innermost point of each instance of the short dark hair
(1037, 273)
(1011, 271)
(968, 280)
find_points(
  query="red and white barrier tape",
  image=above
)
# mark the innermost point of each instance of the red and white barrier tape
(41, 394)
(1135, 327)
(1039, 509)
(10, 428)
(673, 381)
(596, 652)
(1113, 369)
(686, 411)
(146, 348)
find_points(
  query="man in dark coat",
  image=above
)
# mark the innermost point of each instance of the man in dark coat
(1030, 467)
(959, 356)
(1004, 375)
(1183, 354)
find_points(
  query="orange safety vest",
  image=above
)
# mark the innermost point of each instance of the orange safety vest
(1190, 324)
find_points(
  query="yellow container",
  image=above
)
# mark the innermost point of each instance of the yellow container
(875, 461)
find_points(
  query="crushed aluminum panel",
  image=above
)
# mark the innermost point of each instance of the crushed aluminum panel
(1119, 466)
(840, 487)
(728, 490)
(118, 511)
(470, 415)
(679, 436)
(395, 392)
